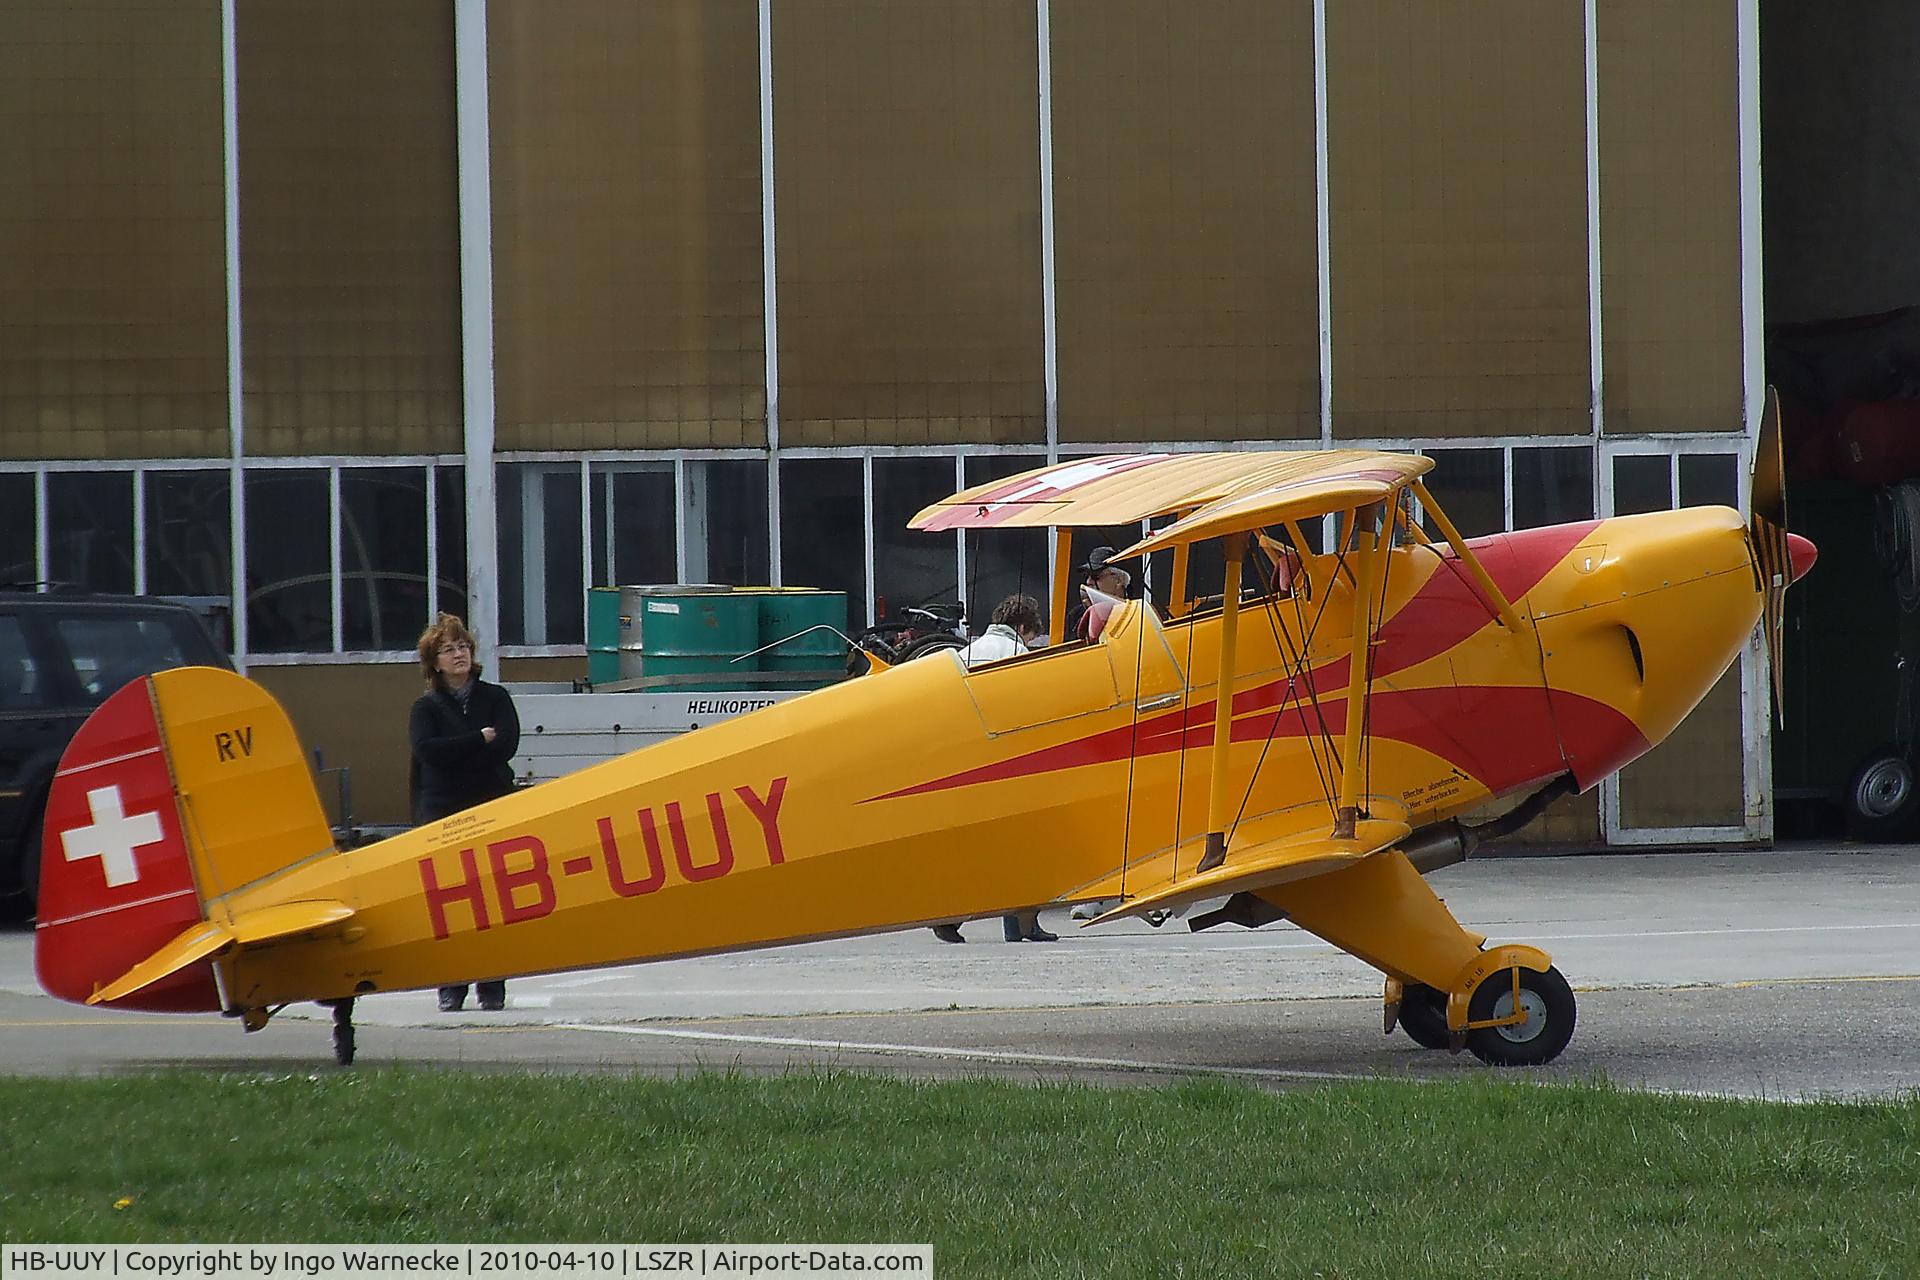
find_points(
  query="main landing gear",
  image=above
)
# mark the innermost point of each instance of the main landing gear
(1508, 1005)
(1515, 1017)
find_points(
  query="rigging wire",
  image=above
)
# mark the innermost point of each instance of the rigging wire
(1296, 673)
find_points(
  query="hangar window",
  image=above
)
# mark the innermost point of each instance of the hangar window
(383, 556)
(912, 568)
(542, 592)
(823, 527)
(90, 529)
(187, 533)
(18, 561)
(635, 513)
(289, 561)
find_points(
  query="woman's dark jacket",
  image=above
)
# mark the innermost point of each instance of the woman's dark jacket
(454, 767)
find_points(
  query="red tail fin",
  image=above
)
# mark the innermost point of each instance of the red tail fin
(115, 880)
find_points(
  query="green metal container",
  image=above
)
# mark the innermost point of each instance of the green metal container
(786, 612)
(689, 631)
(603, 635)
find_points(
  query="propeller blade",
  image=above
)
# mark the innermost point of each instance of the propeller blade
(1767, 485)
(1772, 544)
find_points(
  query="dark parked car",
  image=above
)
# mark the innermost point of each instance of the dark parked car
(61, 655)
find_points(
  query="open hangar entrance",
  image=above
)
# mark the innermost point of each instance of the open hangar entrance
(1840, 132)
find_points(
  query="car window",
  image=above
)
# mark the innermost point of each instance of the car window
(22, 687)
(108, 652)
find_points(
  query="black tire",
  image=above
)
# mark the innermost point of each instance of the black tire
(1423, 1015)
(931, 644)
(1549, 1025)
(1882, 800)
(30, 868)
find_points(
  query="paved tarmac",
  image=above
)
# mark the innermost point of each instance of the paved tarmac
(1780, 974)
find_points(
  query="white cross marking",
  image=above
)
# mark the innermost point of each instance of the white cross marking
(113, 836)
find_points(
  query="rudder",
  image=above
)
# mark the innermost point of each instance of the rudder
(180, 792)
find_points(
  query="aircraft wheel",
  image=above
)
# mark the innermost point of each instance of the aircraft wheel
(1548, 1003)
(343, 1046)
(1882, 801)
(1423, 1015)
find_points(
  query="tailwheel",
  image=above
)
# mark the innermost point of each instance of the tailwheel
(1423, 1015)
(1545, 999)
(342, 1031)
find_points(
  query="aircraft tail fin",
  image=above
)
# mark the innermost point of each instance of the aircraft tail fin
(180, 791)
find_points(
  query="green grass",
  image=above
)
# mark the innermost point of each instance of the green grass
(1486, 1178)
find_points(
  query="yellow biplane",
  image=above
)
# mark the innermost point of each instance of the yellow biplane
(1303, 746)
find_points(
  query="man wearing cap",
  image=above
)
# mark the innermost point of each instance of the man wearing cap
(1097, 575)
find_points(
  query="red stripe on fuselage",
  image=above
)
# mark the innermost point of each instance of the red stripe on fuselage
(1446, 611)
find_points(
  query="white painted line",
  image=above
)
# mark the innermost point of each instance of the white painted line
(72, 769)
(1010, 1057)
(107, 911)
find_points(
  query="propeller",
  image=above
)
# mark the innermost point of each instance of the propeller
(1783, 557)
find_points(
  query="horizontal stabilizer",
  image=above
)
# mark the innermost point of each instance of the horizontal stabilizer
(1266, 863)
(208, 937)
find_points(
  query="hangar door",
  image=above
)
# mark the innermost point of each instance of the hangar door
(1710, 781)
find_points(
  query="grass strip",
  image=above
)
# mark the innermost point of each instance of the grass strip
(1478, 1178)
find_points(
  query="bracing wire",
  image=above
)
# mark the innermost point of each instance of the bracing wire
(1296, 673)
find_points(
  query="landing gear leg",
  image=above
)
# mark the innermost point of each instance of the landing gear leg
(1382, 911)
(343, 1031)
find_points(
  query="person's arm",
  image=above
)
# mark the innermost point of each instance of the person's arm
(437, 748)
(506, 730)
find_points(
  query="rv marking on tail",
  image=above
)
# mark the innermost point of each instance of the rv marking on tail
(225, 743)
(112, 836)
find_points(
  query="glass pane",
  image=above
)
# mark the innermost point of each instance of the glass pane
(289, 574)
(90, 530)
(21, 685)
(1002, 562)
(189, 534)
(1695, 778)
(1642, 482)
(822, 523)
(383, 557)
(1470, 486)
(727, 522)
(108, 652)
(450, 537)
(17, 567)
(1552, 486)
(911, 568)
(1709, 480)
(541, 594)
(633, 534)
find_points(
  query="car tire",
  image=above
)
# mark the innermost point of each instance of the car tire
(1882, 799)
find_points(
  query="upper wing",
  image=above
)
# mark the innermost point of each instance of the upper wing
(1260, 864)
(1120, 489)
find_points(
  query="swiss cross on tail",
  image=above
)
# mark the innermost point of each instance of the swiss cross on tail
(112, 836)
(121, 885)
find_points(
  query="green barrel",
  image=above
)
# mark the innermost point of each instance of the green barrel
(603, 635)
(682, 631)
(786, 612)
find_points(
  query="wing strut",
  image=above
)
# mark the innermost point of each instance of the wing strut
(1062, 584)
(1217, 799)
(1367, 542)
(1494, 599)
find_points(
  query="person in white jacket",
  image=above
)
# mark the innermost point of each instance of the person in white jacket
(1016, 625)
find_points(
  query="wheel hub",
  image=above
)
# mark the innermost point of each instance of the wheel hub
(1531, 1005)
(1884, 788)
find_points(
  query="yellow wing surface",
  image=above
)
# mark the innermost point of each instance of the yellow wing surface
(1259, 856)
(1216, 492)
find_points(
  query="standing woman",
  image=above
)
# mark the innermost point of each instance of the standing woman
(464, 733)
